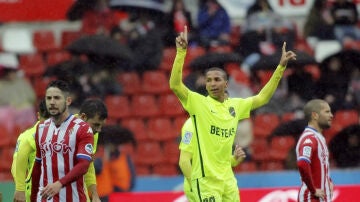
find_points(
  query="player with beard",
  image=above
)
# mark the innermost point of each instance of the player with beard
(313, 155)
(64, 149)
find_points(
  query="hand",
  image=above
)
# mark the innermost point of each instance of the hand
(50, 190)
(286, 56)
(239, 153)
(95, 199)
(19, 196)
(319, 193)
(182, 40)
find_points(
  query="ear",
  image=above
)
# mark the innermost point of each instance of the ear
(314, 115)
(38, 116)
(68, 100)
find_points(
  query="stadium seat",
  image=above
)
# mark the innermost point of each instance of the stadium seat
(314, 70)
(192, 53)
(68, 36)
(265, 123)
(138, 127)
(143, 170)
(167, 61)
(179, 122)
(272, 166)
(32, 64)
(259, 149)
(342, 119)
(221, 49)
(170, 105)
(287, 116)
(5, 136)
(5, 176)
(166, 169)
(160, 129)
(235, 35)
(6, 156)
(144, 106)
(56, 57)
(155, 82)
(247, 166)
(171, 151)
(39, 85)
(118, 106)
(130, 82)
(44, 40)
(235, 71)
(148, 153)
(280, 147)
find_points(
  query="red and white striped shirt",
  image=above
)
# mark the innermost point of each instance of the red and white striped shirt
(58, 149)
(311, 147)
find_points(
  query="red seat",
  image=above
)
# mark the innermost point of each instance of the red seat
(6, 156)
(118, 106)
(166, 169)
(55, 57)
(179, 122)
(192, 53)
(259, 149)
(68, 36)
(160, 129)
(280, 147)
(143, 170)
(155, 82)
(272, 166)
(314, 70)
(170, 105)
(167, 61)
(144, 106)
(138, 127)
(5, 135)
(148, 153)
(221, 49)
(171, 151)
(32, 64)
(342, 119)
(6, 176)
(247, 166)
(130, 82)
(39, 85)
(44, 40)
(235, 71)
(265, 123)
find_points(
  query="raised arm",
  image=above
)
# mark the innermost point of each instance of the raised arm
(176, 83)
(268, 90)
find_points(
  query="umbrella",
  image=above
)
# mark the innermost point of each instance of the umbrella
(78, 8)
(214, 59)
(100, 46)
(350, 59)
(131, 5)
(269, 62)
(345, 146)
(294, 128)
(147, 8)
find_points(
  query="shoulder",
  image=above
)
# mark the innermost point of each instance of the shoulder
(308, 138)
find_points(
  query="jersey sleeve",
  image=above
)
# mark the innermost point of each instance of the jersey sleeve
(307, 148)
(90, 176)
(22, 164)
(85, 142)
(187, 132)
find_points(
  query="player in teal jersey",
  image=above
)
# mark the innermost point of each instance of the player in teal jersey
(215, 118)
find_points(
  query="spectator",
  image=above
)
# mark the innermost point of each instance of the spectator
(333, 82)
(345, 17)
(214, 24)
(99, 20)
(264, 32)
(319, 22)
(178, 17)
(140, 33)
(17, 96)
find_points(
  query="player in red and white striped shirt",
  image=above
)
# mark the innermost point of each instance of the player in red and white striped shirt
(313, 155)
(64, 148)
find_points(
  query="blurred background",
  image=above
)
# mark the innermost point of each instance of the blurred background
(122, 52)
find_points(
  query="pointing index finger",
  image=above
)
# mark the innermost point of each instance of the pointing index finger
(185, 33)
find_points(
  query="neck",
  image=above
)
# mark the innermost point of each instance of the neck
(316, 127)
(58, 120)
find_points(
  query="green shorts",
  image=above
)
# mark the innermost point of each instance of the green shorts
(210, 189)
